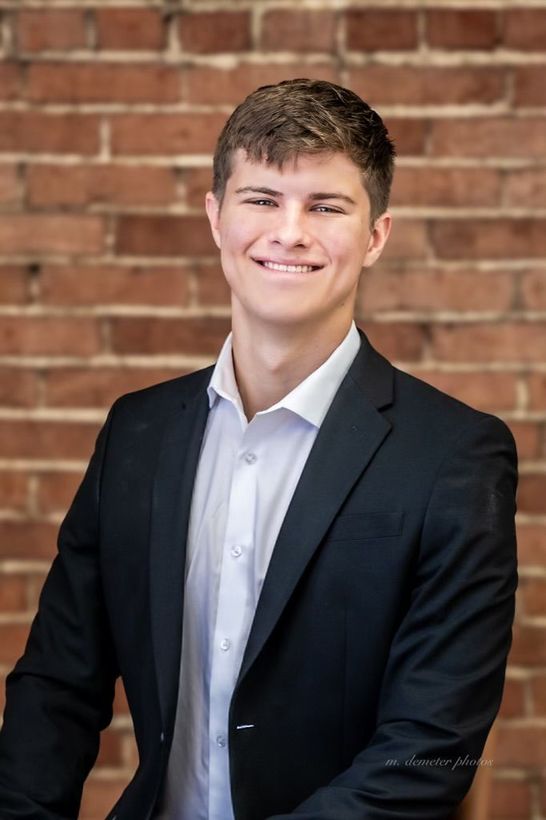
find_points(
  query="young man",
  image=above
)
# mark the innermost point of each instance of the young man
(302, 560)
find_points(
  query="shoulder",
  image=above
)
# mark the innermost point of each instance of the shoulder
(160, 400)
(440, 416)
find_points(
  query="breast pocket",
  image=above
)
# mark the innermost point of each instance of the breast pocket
(357, 526)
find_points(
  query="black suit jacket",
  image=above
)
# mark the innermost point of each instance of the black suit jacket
(377, 653)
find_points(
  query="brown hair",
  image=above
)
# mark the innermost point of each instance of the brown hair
(278, 122)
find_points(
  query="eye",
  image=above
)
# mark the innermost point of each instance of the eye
(326, 209)
(260, 201)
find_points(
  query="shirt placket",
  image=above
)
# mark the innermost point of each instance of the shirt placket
(234, 599)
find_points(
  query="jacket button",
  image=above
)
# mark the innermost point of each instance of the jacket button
(161, 740)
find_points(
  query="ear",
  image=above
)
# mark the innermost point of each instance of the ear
(212, 206)
(378, 239)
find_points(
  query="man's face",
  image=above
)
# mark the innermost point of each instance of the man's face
(293, 240)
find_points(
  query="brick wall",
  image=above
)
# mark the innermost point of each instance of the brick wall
(109, 280)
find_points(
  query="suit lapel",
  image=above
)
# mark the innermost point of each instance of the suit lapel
(350, 435)
(172, 492)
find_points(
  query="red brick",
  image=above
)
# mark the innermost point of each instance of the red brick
(94, 82)
(409, 85)
(531, 544)
(510, 800)
(538, 694)
(13, 285)
(513, 699)
(532, 496)
(300, 31)
(533, 289)
(229, 86)
(525, 28)
(132, 757)
(10, 81)
(527, 435)
(160, 134)
(35, 584)
(78, 387)
(56, 490)
(100, 184)
(536, 385)
(210, 32)
(99, 796)
(47, 439)
(120, 699)
(401, 341)
(462, 28)
(164, 236)
(196, 182)
(489, 342)
(48, 336)
(533, 590)
(111, 750)
(106, 285)
(13, 638)
(409, 135)
(51, 29)
(520, 746)
(13, 593)
(489, 238)
(408, 240)
(29, 233)
(529, 86)
(13, 490)
(10, 187)
(542, 795)
(212, 288)
(37, 132)
(142, 335)
(526, 188)
(446, 187)
(529, 646)
(25, 540)
(18, 388)
(130, 29)
(377, 30)
(490, 392)
(494, 137)
(383, 289)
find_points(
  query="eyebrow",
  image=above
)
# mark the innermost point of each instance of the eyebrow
(314, 196)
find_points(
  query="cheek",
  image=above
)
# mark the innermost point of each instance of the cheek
(238, 237)
(346, 249)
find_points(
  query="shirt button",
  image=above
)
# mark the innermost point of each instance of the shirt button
(250, 458)
(220, 741)
(225, 644)
(236, 551)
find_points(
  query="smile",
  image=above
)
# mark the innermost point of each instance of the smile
(287, 268)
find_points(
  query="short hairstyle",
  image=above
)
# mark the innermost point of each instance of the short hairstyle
(279, 122)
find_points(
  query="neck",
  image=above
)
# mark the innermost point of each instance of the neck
(270, 362)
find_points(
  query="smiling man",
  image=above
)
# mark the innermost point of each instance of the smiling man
(301, 561)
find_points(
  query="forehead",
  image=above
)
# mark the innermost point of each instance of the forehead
(312, 172)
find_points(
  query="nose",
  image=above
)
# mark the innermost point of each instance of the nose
(290, 229)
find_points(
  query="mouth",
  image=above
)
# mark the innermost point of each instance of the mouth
(285, 268)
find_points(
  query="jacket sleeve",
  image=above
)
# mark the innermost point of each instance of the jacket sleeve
(59, 695)
(445, 673)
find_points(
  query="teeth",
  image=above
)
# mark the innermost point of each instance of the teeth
(288, 268)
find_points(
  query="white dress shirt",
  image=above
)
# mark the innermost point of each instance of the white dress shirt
(245, 479)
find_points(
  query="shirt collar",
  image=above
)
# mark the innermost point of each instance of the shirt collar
(310, 399)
